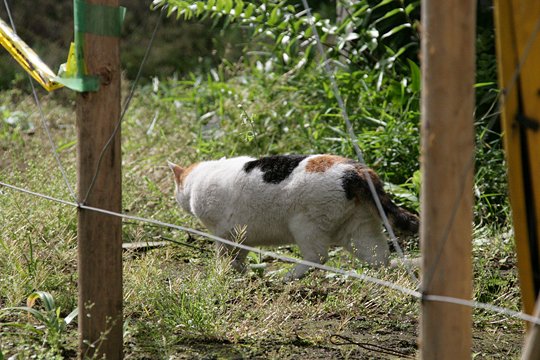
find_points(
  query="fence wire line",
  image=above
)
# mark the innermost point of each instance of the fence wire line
(126, 105)
(42, 118)
(271, 254)
(501, 99)
(352, 274)
(354, 140)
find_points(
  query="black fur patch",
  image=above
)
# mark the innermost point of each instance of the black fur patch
(275, 168)
(352, 184)
(356, 185)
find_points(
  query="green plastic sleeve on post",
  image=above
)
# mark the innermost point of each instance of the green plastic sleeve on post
(92, 19)
(98, 19)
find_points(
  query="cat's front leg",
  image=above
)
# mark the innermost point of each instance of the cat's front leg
(239, 260)
(237, 256)
(300, 270)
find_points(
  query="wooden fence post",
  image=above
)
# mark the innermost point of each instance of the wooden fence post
(448, 64)
(100, 235)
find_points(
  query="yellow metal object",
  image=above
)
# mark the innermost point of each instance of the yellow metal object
(69, 69)
(518, 47)
(27, 58)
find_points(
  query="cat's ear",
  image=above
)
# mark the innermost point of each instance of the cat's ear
(177, 171)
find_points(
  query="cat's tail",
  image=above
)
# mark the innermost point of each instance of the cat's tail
(400, 218)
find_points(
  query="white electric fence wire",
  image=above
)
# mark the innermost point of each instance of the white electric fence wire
(354, 139)
(352, 274)
(271, 254)
(42, 118)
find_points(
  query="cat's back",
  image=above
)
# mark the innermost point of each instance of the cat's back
(297, 177)
(224, 170)
(270, 192)
(291, 176)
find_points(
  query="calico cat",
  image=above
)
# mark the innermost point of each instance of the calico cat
(313, 201)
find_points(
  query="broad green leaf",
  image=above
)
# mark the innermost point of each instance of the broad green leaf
(228, 6)
(200, 8)
(249, 10)
(35, 313)
(220, 5)
(46, 298)
(188, 14)
(238, 8)
(274, 17)
(416, 76)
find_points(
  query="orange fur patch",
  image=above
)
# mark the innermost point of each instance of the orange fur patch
(186, 172)
(181, 173)
(323, 162)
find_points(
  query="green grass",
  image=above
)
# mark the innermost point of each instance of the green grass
(179, 300)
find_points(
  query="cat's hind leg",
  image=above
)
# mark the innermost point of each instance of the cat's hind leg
(368, 243)
(313, 244)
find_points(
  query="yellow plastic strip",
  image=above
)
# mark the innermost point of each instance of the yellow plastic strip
(515, 22)
(27, 58)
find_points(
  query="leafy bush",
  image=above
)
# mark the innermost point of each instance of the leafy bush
(366, 34)
(287, 102)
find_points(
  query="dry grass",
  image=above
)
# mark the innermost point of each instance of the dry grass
(180, 302)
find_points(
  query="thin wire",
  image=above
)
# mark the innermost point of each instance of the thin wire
(354, 140)
(352, 274)
(479, 305)
(13, 187)
(502, 97)
(126, 106)
(42, 116)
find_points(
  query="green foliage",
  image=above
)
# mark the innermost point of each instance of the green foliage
(171, 303)
(12, 123)
(368, 35)
(50, 327)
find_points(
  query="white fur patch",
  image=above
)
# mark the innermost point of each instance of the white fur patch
(307, 208)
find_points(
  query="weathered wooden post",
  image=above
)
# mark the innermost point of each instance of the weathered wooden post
(99, 236)
(448, 63)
